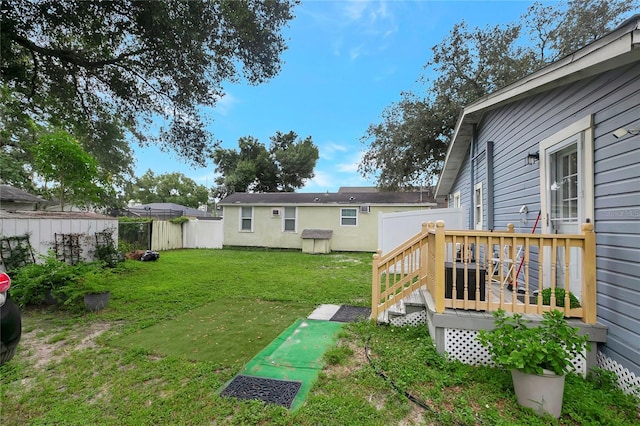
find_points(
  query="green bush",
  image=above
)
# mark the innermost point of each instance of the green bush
(546, 298)
(125, 247)
(552, 345)
(18, 252)
(32, 284)
(179, 220)
(105, 250)
(91, 279)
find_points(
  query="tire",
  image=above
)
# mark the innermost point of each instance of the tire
(7, 353)
(10, 330)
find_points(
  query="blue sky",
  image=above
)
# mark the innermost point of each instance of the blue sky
(346, 61)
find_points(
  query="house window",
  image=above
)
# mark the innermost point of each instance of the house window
(566, 178)
(477, 204)
(290, 219)
(246, 219)
(456, 199)
(564, 189)
(348, 217)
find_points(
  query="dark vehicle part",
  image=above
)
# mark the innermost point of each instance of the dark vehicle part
(10, 321)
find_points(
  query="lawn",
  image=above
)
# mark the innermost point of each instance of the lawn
(177, 330)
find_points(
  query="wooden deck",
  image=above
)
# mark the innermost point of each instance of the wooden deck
(545, 261)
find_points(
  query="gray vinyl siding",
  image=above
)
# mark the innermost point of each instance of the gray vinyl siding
(617, 222)
(517, 129)
(462, 184)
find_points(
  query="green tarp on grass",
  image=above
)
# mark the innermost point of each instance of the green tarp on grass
(295, 355)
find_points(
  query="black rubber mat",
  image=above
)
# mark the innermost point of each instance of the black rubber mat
(273, 391)
(351, 314)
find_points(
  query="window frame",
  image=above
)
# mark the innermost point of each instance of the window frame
(243, 218)
(456, 200)
(478, 206)
(294, 219)
(343, 216)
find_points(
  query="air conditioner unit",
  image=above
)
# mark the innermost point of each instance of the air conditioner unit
(365, 209)
(275, 212)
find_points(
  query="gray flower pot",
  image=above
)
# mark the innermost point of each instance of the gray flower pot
(543, 393)
(97, 301)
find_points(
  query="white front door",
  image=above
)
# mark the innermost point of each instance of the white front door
(566, 179)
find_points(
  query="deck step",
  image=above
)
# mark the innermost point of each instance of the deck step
(410, 305)
(414, 302)
(398, 309)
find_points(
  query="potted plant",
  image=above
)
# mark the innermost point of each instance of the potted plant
(90, 286)
(40, 282)
(538, 356)
(95, 287)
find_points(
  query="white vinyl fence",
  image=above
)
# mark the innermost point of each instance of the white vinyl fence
(396, 228)
(192, 234)
(202, 234)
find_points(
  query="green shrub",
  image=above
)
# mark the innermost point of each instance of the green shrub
(603, 379)
(91, 279)
(17, 252)
(67, 284)
(105, 250)
(179, 220)
(546, 298)
(125, 246)
(552, 345)
(31, 284)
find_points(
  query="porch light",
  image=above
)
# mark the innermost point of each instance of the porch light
(621, 132)
(532, 158)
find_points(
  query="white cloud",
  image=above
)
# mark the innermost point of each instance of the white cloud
(225, 103)
(354, 10)
(356, 28)
(350, 166)
(356, 52)
(321, 181)
(327, 151)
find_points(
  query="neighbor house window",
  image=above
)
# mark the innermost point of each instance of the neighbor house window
(348, 217)
(477, 204)
(290, 219)
(246, 219)
(456, 199)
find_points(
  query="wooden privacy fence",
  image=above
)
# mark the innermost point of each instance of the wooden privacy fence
(487, 271)
(166, 235)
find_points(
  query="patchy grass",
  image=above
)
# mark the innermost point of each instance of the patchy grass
(151, 357)
(229, 333)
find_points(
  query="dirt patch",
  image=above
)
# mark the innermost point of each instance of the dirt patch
(349, 368)
(37, 346)
(378, 399)
(415, 417)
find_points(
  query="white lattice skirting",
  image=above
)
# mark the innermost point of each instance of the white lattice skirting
(627, 381)
(463, 346)
(413, 319)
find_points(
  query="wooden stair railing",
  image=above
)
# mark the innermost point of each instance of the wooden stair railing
(398, 273)
(420, 261)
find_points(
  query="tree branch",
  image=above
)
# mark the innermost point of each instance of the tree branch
(72, 56)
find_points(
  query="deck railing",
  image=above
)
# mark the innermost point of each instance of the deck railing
(490, 270)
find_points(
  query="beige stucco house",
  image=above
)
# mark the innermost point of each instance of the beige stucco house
(342, 221)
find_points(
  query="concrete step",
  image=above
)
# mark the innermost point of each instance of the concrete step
(411, 304)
